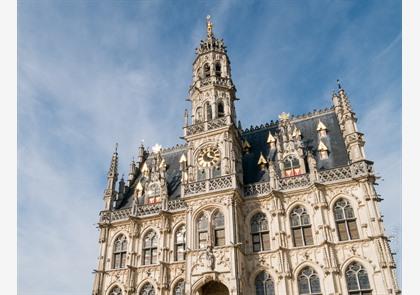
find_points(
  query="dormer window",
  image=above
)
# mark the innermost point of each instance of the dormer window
(322, 129)
(153, 193)
(323, 151)
(206, 71)
(292, 166)
(218, 69)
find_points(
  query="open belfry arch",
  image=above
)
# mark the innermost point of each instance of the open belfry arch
(288, 207)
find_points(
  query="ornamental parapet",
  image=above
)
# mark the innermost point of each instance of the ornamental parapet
(207, 126)
(210, 185)
(352, 171)
(143, 210)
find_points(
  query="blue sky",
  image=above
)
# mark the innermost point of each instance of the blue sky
(92, 73)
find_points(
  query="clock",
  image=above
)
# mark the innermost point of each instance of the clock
(208, 156)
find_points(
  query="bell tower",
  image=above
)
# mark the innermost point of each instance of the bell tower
(211, 132)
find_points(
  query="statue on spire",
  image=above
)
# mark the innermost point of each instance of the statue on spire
(209, 27)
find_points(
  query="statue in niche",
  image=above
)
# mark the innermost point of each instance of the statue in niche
(210, 257)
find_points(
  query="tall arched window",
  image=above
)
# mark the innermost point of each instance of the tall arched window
(301, 227)
(218, 69)
(357, 280)
(179, 288)
(180, 243)
(219, 228)
(209, 112)
(120, 252)
(116, 291)
(264, 284)
(291, 166)
(220, 110)
(198, 115)
(206, 70)
(345, 220)
(150, 248)
(308, 282)
(260, 233)
(203, 227)
(147, 289)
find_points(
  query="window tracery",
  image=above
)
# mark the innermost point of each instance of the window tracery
(202, 226)
(264, 284)
(150, 248)
(260, 233)
(301, 227)
(116, 291)
(218, 69)
(357, 280)
(206, 70)
(345, 220)
(180, 241)
(308, 282)
(179, 288)
(147, 289)
(291, 166)
(120, 252)
(219, 228)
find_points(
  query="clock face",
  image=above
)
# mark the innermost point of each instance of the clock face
(208, 156)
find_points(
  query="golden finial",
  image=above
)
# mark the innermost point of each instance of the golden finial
(209, 27)
(284, 116)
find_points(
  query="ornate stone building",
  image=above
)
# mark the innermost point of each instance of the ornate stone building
(288, 207)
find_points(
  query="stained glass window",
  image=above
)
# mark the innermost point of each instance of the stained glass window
(180, 243)
(150, 248)
(264, 284)
(291, 166)
(357, 280)
(301, 227)
(120, 252)
(345, 220)
(147, 289)
(259, 232)
(308, 282)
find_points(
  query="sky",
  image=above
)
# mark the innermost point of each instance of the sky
(93, 73)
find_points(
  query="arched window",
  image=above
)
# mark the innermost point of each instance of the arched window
(357, 280)
(260, 233)
(147, 289)
(203, 227)
(308, 282)
(218, 69)
(345, 220)
(199, 115)
(120, 252)
(292, 166)
(116, 291)
(179, 288)
(219, 228)
(150, 248)
(209, 112)
(301, 227)
(264, 284)
(220, 109)
(180, 243)
(206, 70)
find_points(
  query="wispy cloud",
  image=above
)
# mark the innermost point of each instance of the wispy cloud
(92, 73)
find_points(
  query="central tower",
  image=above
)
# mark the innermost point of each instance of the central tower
(211, 133)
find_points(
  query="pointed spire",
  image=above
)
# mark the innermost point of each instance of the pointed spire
(270, 138)
(322, 146)
(296, 132)
(133, 169)
(185, 118)
(246, 146)
(145, 169)
(183, 159)
(239, 125)
(262, 161)
(113, 167)
(320, 126)
(141, 154)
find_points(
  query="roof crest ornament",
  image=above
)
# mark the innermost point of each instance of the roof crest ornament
(209, 27)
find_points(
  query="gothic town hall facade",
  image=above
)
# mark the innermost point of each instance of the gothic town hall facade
(284, 208)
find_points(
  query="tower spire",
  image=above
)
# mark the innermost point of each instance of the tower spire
(111, 179)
